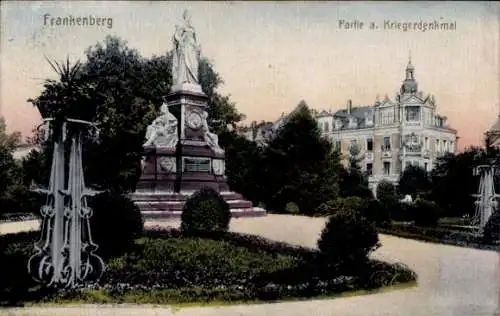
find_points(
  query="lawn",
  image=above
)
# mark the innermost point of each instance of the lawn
(165, 267)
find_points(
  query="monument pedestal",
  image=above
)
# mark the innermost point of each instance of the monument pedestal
(172, 174)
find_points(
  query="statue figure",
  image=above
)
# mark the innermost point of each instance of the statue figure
(211, 138)
(163, 130)
(186, 53)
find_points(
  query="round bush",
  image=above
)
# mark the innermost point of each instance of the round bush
(426, 213)
(334, 206)
(348, 238)
(205, 211)
(292, 208)
(386, 190)
(115, 224)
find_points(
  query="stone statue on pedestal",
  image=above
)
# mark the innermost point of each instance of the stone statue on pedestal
(181, 155)
(163, 130)
(186, 53)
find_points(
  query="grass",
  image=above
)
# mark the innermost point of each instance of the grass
(102, 297)
(168, 268)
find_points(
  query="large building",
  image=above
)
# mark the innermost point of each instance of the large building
(390, 134)
(493, 134)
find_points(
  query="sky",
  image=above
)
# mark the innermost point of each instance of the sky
(271, 55)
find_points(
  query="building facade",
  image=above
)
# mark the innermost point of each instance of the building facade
(391, 134)
(493, 134)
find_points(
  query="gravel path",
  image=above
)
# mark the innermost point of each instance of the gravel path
(453, 281)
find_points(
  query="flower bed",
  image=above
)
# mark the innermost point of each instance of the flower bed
(164, 267)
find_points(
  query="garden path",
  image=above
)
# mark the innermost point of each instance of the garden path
(453, 281)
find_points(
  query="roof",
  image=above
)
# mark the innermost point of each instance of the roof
(359, 112)
(496, 126)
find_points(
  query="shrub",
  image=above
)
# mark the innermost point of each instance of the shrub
(378, 212)
(115, 224)
(426, 213)
(20, 199)
(205, 210)
(491, 232)
(386, 190)
(332, 207)
(347, 239)
(292, 208)
(401, 212)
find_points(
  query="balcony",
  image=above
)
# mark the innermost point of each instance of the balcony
(386, 154)
(414, 150)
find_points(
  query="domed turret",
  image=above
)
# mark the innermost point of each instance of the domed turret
(409, 85)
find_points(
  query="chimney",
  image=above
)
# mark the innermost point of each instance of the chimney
(349, 106)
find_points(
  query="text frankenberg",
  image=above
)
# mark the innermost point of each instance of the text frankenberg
(70, 20)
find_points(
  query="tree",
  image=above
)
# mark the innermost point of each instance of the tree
(354, 181)
(121, 91)
(413, 181)
(453, 180)
(10, 170)
(302, 165)
(386, 191)
(243, 160)
(386, 206)
(8, 141)
(221, 112)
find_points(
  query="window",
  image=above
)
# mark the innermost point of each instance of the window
(387, 117)
(445, 148)
(369, 144)
(437, 145)
(426, 144)
(425, 166)
(387, 168)
(451, 147)
(407, 164)
(387, 144)
(369, 168)
(413, 113)
(327, 127)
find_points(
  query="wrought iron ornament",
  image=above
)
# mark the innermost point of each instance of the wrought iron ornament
(486, 198)
(65, 252)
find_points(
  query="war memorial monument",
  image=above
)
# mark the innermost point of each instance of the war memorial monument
(181, 155)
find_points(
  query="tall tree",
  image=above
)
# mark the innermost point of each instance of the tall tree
(354, 182)
(10, 171)
(8, 141)
(8, 168)
(302, 165)
(453, 180)
(413, 181)
(243, 160)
